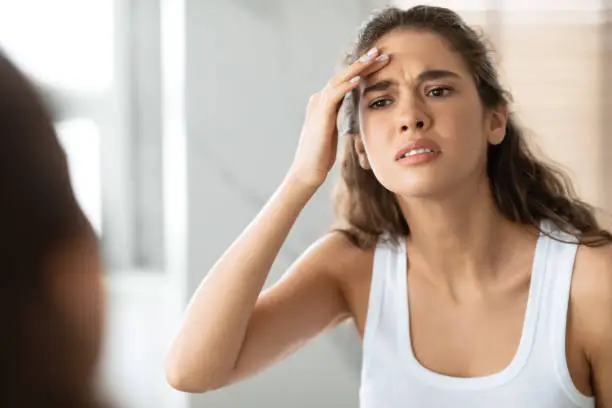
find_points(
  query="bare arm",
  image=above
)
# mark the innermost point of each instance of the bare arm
(593, 307)
(206, 349)
(228, 333)
(600, 329)
(304, 303)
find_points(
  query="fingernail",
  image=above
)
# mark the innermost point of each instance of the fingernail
(369, 55)
(382, 57)
(354, 79)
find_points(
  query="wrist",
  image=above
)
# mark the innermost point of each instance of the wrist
(299, 186)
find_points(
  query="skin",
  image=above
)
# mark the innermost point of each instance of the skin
(468, 269)
(75, 280)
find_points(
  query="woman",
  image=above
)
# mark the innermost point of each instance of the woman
(51, 298)
(455, 250)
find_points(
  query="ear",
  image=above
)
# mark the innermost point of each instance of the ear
(361, 153)
(497, 124)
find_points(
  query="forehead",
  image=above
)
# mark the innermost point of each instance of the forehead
(419, 50)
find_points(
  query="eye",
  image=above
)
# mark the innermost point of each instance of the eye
(440, 91)
(379, 103)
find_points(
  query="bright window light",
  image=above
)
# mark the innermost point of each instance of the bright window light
(66, 44)
(80, 139)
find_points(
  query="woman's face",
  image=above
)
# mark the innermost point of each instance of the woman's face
(423, 126)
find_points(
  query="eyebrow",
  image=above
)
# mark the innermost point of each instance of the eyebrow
(428, 75)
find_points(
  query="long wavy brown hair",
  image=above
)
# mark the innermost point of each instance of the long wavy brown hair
(45, 358)
(525, 189)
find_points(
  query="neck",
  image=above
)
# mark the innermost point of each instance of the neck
(461, 236)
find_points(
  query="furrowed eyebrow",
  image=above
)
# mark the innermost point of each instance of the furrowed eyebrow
(427, 75)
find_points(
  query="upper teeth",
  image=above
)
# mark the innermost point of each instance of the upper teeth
(417, 151)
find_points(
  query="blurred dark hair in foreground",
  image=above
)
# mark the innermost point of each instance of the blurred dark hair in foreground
(51, 299)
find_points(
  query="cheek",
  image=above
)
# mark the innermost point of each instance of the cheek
(461, 131)
(379, 148)
(378, 133)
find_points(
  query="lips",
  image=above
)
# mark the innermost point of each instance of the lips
(419, 144)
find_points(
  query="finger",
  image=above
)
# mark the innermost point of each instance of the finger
(337, 93)
(380, 62)
(357, 67)
(377, 64)
(343, 88)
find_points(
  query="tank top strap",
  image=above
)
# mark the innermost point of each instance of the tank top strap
(381, 306)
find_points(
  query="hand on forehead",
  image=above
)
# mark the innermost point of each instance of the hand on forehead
(411, 54)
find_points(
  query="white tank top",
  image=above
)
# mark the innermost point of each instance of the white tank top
(538, 375)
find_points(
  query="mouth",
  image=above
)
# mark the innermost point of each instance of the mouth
(414, 152)
(418, 156)
(418, 148)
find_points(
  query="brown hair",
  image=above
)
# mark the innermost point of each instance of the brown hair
(525, 189)
(46, 362)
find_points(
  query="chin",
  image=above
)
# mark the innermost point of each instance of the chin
(420, 191)
(424, 185)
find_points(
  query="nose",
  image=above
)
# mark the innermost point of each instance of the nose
(418, 125)
(413, 118)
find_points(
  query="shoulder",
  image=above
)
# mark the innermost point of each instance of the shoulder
(591, 296)
(329, 261)
(592, 280)
(351, 268)
(340, 254)
(336, 259)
